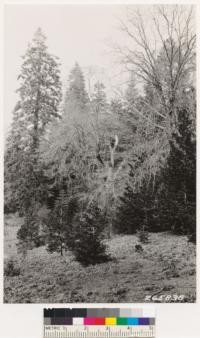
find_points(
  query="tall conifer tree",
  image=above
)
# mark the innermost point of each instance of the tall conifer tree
(39, 98)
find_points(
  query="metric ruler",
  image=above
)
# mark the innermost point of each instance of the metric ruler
(81, 331)
(99, 322)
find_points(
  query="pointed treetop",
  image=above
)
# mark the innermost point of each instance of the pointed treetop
(39, 36)
(76, 92)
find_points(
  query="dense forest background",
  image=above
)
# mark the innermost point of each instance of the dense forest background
(81, 166)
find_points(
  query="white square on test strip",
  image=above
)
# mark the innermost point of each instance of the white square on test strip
(149, 312)
(78, 321)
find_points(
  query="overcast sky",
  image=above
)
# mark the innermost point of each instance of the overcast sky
(74, 33)
(82, 33)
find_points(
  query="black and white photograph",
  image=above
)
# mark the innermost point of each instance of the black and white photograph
(99, 153)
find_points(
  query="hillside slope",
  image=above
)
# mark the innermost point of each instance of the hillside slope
(166, 267)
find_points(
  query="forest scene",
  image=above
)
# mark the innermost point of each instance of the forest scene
(100, 183)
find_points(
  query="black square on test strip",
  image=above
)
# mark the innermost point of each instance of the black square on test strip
(60, 313)
(48, 313)
(80, 313)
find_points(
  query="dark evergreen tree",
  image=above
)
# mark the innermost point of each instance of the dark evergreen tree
(59, 224)
(180, 178)
(40, 94)
(39, 91)
(88, 233)
(39, 98)
(137, 211)
(30, 233)
(56, 226)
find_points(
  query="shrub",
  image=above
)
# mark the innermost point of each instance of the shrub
(29, 232)
(11, 268)
(143, 236)
(138, 248)
(192, 238)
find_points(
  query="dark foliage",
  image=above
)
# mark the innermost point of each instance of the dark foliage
(170, 203)
(59, 223)
(137, 208)
(179, 203)
(39, 98)
(143, 235)
(11, 268)
(138, 248)
(88, 246)
(29, 233)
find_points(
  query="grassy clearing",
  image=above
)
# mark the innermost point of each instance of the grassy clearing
(165, 267)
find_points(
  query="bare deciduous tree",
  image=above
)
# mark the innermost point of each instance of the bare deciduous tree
(163, 59)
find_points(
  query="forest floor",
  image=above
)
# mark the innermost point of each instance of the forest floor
(166, 266)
